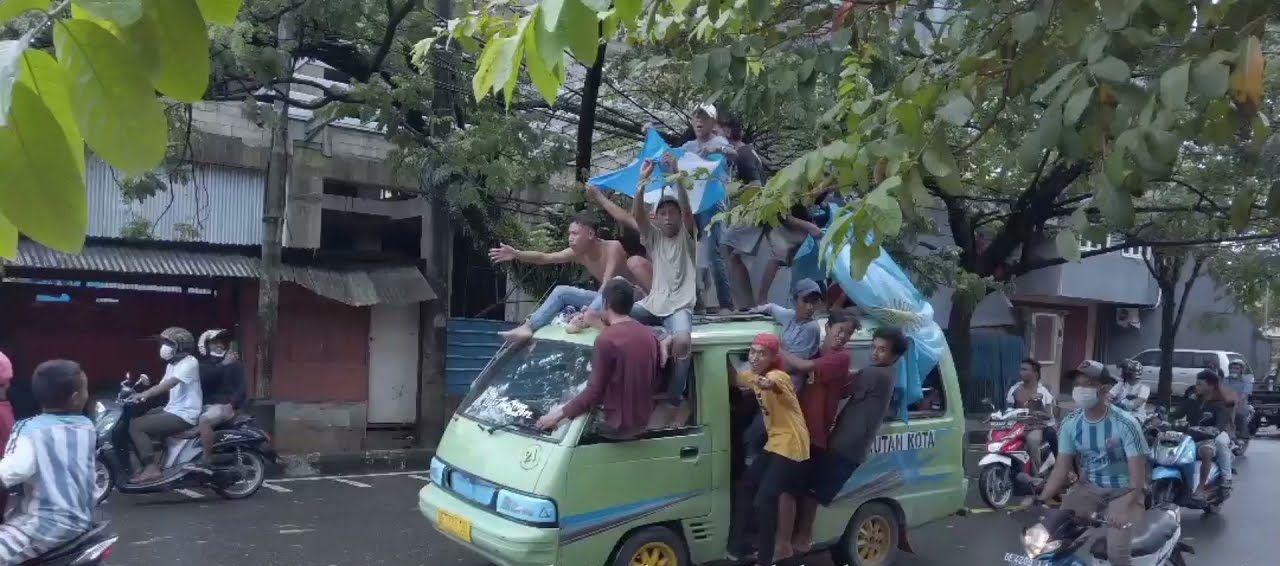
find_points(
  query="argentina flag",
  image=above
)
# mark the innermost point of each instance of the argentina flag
(704, 195)
(887, 295)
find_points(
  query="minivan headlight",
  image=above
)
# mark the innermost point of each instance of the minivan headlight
(526, 508)
(436, 473)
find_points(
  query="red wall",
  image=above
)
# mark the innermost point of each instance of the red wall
(322, 346)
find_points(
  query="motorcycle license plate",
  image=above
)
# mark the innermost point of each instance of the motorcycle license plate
(453, 525)
(1020, 560)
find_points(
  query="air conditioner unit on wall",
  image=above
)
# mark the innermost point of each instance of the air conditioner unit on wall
(1128, 317)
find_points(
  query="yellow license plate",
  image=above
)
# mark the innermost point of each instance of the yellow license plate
(453, 525)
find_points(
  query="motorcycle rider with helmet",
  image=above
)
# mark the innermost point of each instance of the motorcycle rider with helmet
(182, 382)
(222, 386)
(1242, 384)
(1131, 394)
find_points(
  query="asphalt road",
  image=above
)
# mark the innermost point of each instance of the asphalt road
(373, 520)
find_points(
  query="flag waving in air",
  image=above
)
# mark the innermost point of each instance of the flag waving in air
(708, 188)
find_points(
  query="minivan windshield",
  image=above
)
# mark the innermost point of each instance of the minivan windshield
(525, 382)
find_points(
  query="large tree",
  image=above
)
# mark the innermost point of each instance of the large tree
(1027, 120)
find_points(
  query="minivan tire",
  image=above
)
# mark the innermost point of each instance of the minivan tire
(878, 524)
(655, 540)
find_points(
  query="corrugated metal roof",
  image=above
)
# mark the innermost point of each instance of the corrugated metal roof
(399, 284)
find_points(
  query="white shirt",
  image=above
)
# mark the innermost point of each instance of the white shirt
(19, 462)
(185, 399)
(1140, 391)
(1045, 397)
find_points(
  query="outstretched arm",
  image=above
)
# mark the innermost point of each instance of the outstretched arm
(639, 214)
(686, 211)
(803, 226)
(505, 253)
(619, 214)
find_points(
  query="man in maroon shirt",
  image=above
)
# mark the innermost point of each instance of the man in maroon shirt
(624, 371)
(828, 375)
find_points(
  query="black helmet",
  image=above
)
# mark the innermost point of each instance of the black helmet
(182, 340)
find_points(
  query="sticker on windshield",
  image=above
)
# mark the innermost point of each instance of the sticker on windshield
(495, 401)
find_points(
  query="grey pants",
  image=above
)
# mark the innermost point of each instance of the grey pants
(1086, 499)
(154, 426)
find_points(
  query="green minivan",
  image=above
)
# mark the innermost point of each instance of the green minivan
(521, 497)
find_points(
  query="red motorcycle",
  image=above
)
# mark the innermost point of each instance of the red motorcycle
(1007, 456)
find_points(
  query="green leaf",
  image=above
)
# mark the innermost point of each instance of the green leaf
(486, 69)
(546, 79)
(1116, 204)
(551, 10)
(1077, 16)
(887, 214)
(1051, 84)
(680, 5)
(628, 11)
(172, 32)
(10, 57)
(43, 195)
(8, 239)
(1115, 13)
(908, 116)
(113, 103)
(957, 109)
(509, 61)
(1024, 26)
(1241, 206)
(759, 9)
(1111, 70)
(1076, 106)
(598, 5)
(1068, 244)
(42, 74)
(582, 29)
(1173, 86)
(10, 9)
(698, 68)
(938, 160)
(1210, 76)
(219, 11)
(123, 12)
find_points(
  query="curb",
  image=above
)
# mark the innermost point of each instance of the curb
(371, 461)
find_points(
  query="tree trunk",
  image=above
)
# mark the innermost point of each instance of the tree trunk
(437, 256)
(587, 118)
(274, 195)
(1168, 334)
(959, 338)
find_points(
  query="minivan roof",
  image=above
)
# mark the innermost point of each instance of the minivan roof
(709, 330)
(1227, 352)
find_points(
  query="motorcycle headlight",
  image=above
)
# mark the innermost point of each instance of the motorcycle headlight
(98, 409)
(525, 508)
(1036, 542)
(104, 421)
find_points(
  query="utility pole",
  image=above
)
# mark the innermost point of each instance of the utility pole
(274, 196)
(437, 256)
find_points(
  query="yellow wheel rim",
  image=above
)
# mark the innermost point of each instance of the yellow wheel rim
(654, 554)
(873, 539)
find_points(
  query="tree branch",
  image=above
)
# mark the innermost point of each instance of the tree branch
(1186, 289)
(1022, 269)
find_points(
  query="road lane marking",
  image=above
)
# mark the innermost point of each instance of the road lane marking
(378, 475)
(423, 478)
(294, 531)
(278, 489)
(349, 482)
(190, 493)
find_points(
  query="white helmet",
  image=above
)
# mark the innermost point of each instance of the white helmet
(203, 344)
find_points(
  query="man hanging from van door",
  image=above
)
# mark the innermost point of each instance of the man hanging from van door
(624, 370)
(604, 259)
(827, 378)
(870, 393)
(669, 239)
(780, 469)
(1112, 452)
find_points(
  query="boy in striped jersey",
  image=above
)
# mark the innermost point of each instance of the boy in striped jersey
(51, 457)
(1112, 452)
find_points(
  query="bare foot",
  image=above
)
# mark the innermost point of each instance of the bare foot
(577, 324)
(591, 318)
(517, 335)
(782, 551)
(801, 547)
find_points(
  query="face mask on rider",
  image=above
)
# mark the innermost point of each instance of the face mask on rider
(1085, 397)
(166, 352)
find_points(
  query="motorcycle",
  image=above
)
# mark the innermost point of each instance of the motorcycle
(241, 451)
(1176, 471)
(1060, 534)
(1007, 456)
(89, 549)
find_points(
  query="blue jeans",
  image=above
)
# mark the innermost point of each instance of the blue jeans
(719, 272)
(561, 297)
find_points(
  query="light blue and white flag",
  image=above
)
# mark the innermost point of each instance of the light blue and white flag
(887, 295)
(705, 194)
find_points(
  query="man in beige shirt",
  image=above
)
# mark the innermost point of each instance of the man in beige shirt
(669, 239)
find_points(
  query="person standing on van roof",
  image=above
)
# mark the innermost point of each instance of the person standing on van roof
(780, 469)
(624, 370)
(870, 391)
(828, 376)
(604, 259)
(669, 239)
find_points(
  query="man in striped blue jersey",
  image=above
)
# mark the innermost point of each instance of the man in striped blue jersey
(51, 457)
(1112, 452)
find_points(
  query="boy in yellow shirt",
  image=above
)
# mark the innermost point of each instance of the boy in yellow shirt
(780, 468)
